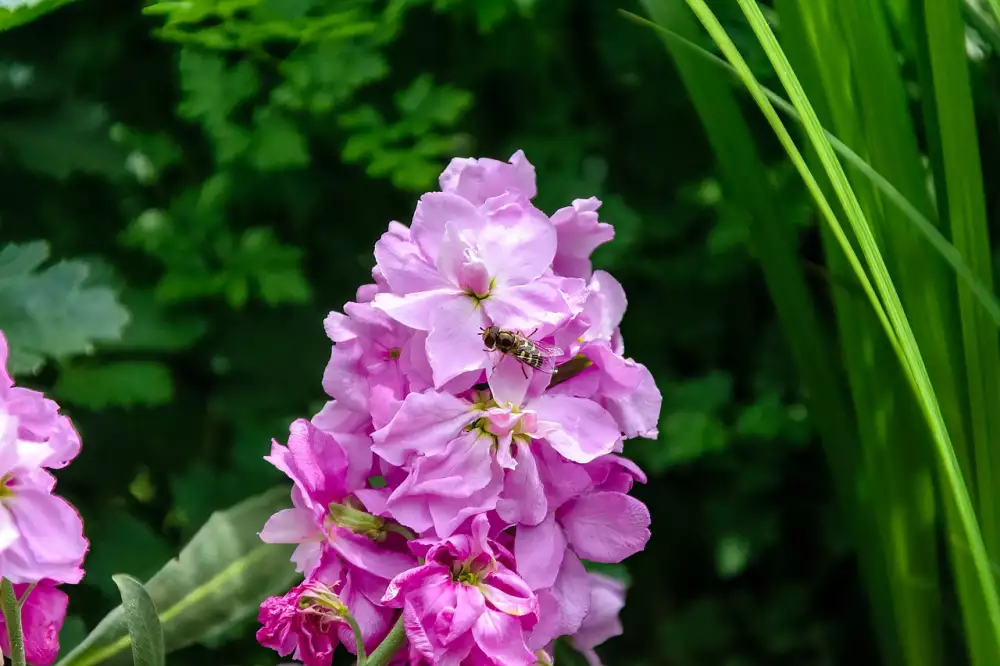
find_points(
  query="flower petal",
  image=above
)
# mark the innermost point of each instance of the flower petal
(364, 553)
(605, 527)
(290, 526)
(425, 424)
(578, 428)
(523, 498)
(521, 252)
(526, 307)
(434, 211)
(509, 380)
(403, 265)
(417, 309)
(455, 343)
(539, 551)
(500, 636)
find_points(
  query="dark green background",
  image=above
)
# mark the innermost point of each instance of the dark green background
(233, 193)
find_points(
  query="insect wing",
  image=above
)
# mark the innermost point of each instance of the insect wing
(545, 349)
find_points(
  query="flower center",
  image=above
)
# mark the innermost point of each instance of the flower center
(464, 575)
(394, 353)
(6, 486)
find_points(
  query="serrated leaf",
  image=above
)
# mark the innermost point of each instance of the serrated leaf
(121, 384)
(277, 143)
(53, 312)
(144, 629)
(219, 579)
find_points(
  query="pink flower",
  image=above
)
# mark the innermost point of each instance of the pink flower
(42, 618)
(375, 358)
(463, 268)
(38, 417)
(607, 598)
(324, 514)
(462, 453)
(304, 623)
(477, 181)
(579, 233)
(465, 605)
(41, 535)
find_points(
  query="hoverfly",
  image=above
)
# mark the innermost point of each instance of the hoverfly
(531, 353)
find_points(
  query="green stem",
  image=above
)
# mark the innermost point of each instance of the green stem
(12, 616)
(388, 648)
(359, 640)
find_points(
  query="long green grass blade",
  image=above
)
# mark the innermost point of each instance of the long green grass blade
(924, 224)
(897, 327)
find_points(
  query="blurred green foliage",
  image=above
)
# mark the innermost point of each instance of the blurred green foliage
(210, 177)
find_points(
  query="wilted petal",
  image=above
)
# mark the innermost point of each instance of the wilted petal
(605, 527)
(42, 615)
(578, 428)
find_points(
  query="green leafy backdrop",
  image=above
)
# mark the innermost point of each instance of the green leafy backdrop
(189, 187)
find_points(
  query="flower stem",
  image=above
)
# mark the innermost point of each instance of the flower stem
(388, 648)
(12, 616)
(359, 640)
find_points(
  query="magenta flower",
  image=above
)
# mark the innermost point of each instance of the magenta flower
(324, 515)
(465, 604)
(42, 618)
(463, 268)
(607, 598)
(453, 482)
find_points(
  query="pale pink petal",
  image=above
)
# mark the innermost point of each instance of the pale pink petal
(417, 309)
(478, 180)
(524, 308)
(339, 327)
(605, 306)
(509, 380)
(499, 636)
(539, 551)
(520, 253)
(455, 343)
(578, 428)
(453, 622)
(404, 267)
(425, 424)
(343, 378)
(306, 556)
(523, 498)
(605, 527)
(638, 411)
(465, 467)
(563, 607)
(8, 529)
(607, 598)
(434, 211)
(365, 554)
(51, 534)
(449, 513)
(290, 526)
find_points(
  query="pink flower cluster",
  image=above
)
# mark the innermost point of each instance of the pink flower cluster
(41, 535)
(452, 484)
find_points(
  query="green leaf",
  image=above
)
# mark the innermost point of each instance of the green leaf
(218, 580)
(143, 623)
(52, 312)
(276, 144)
(154, 327)
(120, 384)
(18, 12)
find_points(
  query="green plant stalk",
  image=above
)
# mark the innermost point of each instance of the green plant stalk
(923, 224)
(389, 646)
(900, 332)
(12, 616)
(359, 641)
